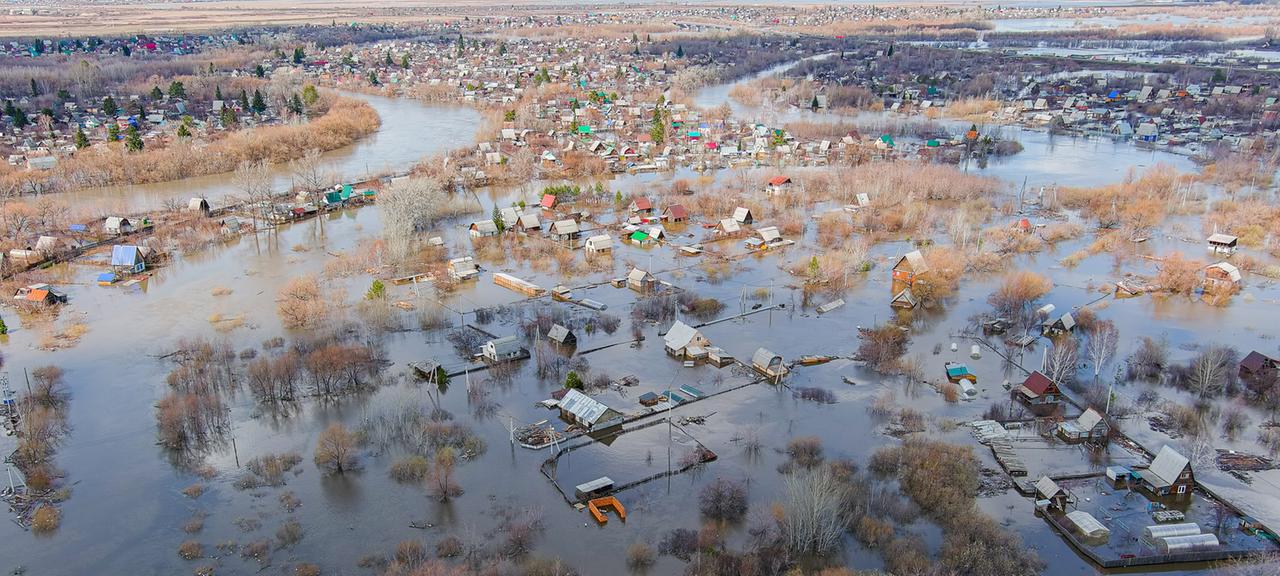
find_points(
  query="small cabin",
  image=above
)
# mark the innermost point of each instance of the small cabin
(1169, 475)
(599, 244)
(528, 223)
(198, 205)
(502, 349)
(128, 259)
(1059, 325)
(566, 229)
(463, 268)
(904, 299)
(1221, 276)
(562, 335)
(683, 340)
(1048, 492)
(483, 229)
(743, 215)
(910, 268)
(1226, 244)
(39, 294)
(641, 280)
(675, 213)
(1256, 364)
(117, 225)
(728, 227)
(640, 205)
(1039, 393)
(587, 412)
(1089, 427)
(777, 185)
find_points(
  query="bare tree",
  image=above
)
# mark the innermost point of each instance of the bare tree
(1063, 359)
(1210, 370)
(254, 184)
(813, 516)
(310, 176)
(442, 485)
(407, 208)
(1101, 347)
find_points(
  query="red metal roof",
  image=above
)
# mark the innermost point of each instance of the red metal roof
(548, 200)
(1038, 383)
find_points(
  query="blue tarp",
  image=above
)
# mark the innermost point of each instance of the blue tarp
(106, 278)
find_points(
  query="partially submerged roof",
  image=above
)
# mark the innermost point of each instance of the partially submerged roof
(1220, 238)
(1229, 269)
(125, 255)
(741, 214)
(916, 260)
(730, 226)
(769, 234)
(559, 333)
(584, 408)
(1037, 383)
(1046, 488)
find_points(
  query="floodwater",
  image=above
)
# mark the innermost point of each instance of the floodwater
(126, 508)
(410, 131)
(1059, 24)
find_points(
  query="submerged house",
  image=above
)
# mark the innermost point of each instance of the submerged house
(641, 280)
(117, 225)
(743, 215)
(904, 299)
(1089, 427)
(684, 341)
(198, 205)
(501, 349)
(1169, 475)
(128, 259)
(675, 213)
(566, 229)
(1221, 276)
(1050, 494)
(39, 294)
(640, 205)
(1059, 325)
(1257, 364)
(562, 335)
(599, 243)
(1039, 393)
(587, 412)
(768, 363)
(483, 229)
(728, 226)
(910, 268)
(463, 268)
(1219, 243)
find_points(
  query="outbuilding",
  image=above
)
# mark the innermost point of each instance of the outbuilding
(599, 243)
(463, 268)
(587, 412)
(910, 268)
(560, 334)
(768, 363)
(683, 340)
(1219, 243)
(502, 349)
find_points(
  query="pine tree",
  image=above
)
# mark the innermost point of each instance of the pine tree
(19, 118)
(298, 55)
(228, 116)
(680, 51)
(82, 139)
(177, 90)
(133, 140)
(259, 71)
(109, 106)
(244, 99)
(373, 78)
(217, 93)
(259, 105)
(113, 132)
(498, 221)
(814, 103)
(156, 94)
(35, 89)
(183, 132)
(295, 104)
(126, 51)
(387, 61)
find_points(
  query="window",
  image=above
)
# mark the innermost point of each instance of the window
(1182, 489)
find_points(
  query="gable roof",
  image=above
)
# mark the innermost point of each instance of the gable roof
(1038, 383)
(125, 255)
(1229, 269)
(1046, 488)
(1088, 420)
(584, 408)
(1166, 468)
(548, 200)
(741, 214)
(680, 335)
(638, 275)
(676, 211)
(566, 226)
(1255, 360)
(916, 260)
(559, 333)
(729, 225)
(769, 234)
(530, 221)
(641, 203)
(779, 181)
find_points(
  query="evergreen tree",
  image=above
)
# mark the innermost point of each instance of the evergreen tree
(295, 104)
(20, 119)
(64, 94)
(404, 61)
(183, 132)
(891, 50)
(502, 48)
(244, 100)
(387, 61)
(310, 95)
(211, 68)
(113, 132)
(228, 116)
(680, 51)
(217, 93)
(133, 140)
(498, 221)
(109, 106)
(814, 103)
(35, 88)
(462, 45)
(298, 55)
(156, 94)
(177, 90)
(259, 71)
(82, 139)
(373, 78)
(657, 131)
(259, 105)
(126, 51)
(3, 329)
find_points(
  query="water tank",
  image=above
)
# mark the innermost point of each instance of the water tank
(975, 351)
(1170, 530)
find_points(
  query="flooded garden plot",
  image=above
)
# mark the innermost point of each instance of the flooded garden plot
(628, 458)
(1133, 530)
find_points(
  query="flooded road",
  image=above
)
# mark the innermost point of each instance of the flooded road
(126, 511)
(410, 131)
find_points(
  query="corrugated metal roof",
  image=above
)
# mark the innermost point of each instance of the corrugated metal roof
(585, 409)
(1164, 470)
(679, 335)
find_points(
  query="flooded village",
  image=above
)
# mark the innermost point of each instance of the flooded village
(420, 289)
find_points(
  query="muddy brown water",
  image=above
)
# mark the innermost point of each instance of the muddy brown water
(126, 508)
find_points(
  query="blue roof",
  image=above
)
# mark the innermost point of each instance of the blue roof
(107, 277)
(78, 228)
(124, 255)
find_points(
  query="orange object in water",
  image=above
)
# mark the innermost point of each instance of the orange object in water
(595, 505)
